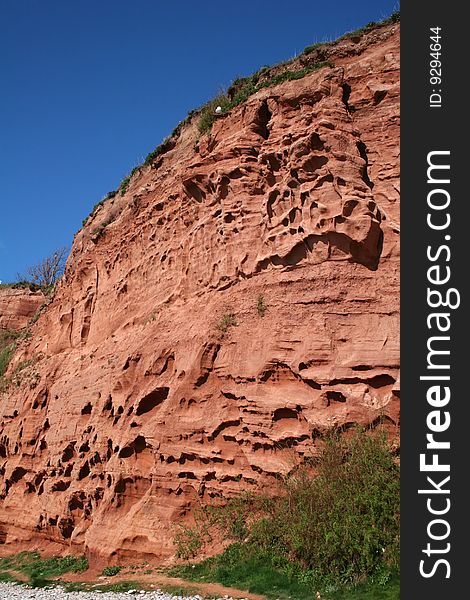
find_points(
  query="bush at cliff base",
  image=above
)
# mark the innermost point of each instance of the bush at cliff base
(335, 522)
(342, 525)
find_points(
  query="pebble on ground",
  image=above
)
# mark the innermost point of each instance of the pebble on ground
(13, 591)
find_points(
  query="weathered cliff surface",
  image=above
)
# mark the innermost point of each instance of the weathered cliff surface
(17, 307)
(239, 299)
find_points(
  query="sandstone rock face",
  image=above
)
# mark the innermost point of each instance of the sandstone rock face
(17, 307)
(237, 301)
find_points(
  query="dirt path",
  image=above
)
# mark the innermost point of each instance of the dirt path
(159, 580)
(17, 575)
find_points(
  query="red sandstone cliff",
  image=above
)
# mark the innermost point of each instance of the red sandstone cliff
(140, 403)
(18, 306)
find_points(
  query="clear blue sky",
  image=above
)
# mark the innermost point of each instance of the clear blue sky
(89, 87)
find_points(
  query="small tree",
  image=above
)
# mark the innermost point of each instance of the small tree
(46, 273)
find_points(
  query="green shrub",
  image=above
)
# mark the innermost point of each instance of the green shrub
(188, 541)
(344, 523)
(37, 314)
(261, 305)
(207, 112)
(293, 75)
(393, 18)
(7, 577)
(98, 205)
(23, 284)
(242, 88)
(126, 181)
(335, 522)
(124, 185)
(100, 230)
(227, 320)
(167, 144)
(120, 586)
(24, 364)
(309, 49)
(7, 336)
(359, 31)
(111, 571)
(7, 348)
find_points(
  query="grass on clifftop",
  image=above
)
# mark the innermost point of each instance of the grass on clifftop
(333, 527)
(237, 93)
(241, 89)
(393, 18)
(18, 285)
(246, 87)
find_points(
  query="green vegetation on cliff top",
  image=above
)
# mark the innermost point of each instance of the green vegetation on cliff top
(237, 93)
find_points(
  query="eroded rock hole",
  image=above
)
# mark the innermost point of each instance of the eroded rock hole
(284, 413)
(68, 452)
(379, 95)
(121, 485)
(313, 384)
(135, 447)
(333, 396)
(381, 380)
(349, 206)
(66, 527)
(84, 471)
(314, 163)
(362, 148)
(109, 404)
(75, 503)
(187, 475)
(194, 191)
(274, 161)
(41, 399)
(262, 119)
(345, 97)
(152, 400)
(60, 486)
(316, 142)
(86, 410)
(17, 474)
(271, 200)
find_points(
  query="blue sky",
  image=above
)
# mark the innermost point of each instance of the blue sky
(90, 87)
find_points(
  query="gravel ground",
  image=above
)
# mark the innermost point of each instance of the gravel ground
(12, 591)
